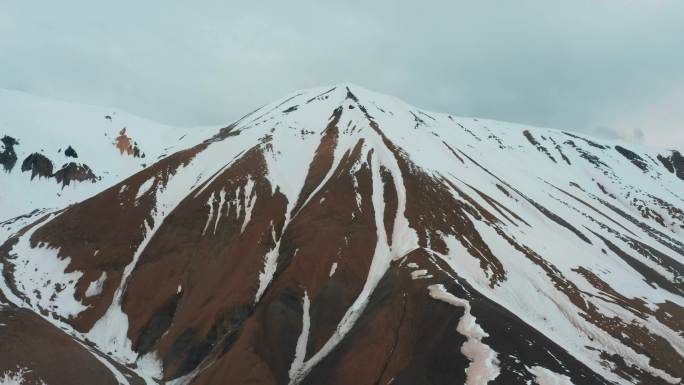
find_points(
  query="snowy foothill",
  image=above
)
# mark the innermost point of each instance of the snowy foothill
(65, 132)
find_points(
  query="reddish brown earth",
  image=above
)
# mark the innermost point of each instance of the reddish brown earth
(49, 354)
(125, 144)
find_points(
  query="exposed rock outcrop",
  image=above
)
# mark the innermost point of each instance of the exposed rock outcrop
(74, 172)
(674, 163)
(70, 152)
(38, 164)
(125, 144)
(8, 157)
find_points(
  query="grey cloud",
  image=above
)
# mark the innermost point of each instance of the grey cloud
(570, 65)
(638, 135)
(605, 132)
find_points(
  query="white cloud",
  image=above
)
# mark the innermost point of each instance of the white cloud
(658, 123)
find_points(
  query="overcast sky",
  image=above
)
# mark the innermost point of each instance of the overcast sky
(613, 68)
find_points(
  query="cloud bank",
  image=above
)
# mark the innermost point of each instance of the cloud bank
(607, 67)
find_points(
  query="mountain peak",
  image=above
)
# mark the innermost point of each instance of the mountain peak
(337, 224)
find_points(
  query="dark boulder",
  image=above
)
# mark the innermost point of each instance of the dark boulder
(74, 172)
(38, 164)
(70, 152)
(8, 158)
(674, 163)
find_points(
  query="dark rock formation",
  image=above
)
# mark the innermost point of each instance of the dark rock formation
(633, 157)
(674, 163)
(38, 164)
(8, 158)
(74, 172)
(70, 152)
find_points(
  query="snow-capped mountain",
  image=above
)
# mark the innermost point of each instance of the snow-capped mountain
(55, 153)
(339, 236)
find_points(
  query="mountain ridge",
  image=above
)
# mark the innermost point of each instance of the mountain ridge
(53, 153)
(337, 224)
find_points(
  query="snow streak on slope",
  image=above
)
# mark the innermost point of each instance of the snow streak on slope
(300, 351)
(483, 367)
(547, 377)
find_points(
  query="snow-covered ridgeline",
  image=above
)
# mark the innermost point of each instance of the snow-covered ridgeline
(531, 179)
(530, 295)
(49, 127)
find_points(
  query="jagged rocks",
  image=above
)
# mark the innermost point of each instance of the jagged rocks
(70, 152)
(38, 164)
(126, 145)
(74, 172)
(8, 157)
(633, 157)
(41, 166)
(674, 163)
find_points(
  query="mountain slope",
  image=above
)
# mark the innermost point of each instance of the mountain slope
(55, 153)
(340, 236)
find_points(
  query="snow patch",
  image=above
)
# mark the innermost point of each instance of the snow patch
(222, 200)
(418, 274)
(544, 376)
(16, 377)
(249, 203)
(144, 188)
(300, 350)
(210, 203)
(95, 287)
(39, 273)
(270, 260)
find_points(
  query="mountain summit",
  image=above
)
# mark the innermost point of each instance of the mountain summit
(339, 236)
